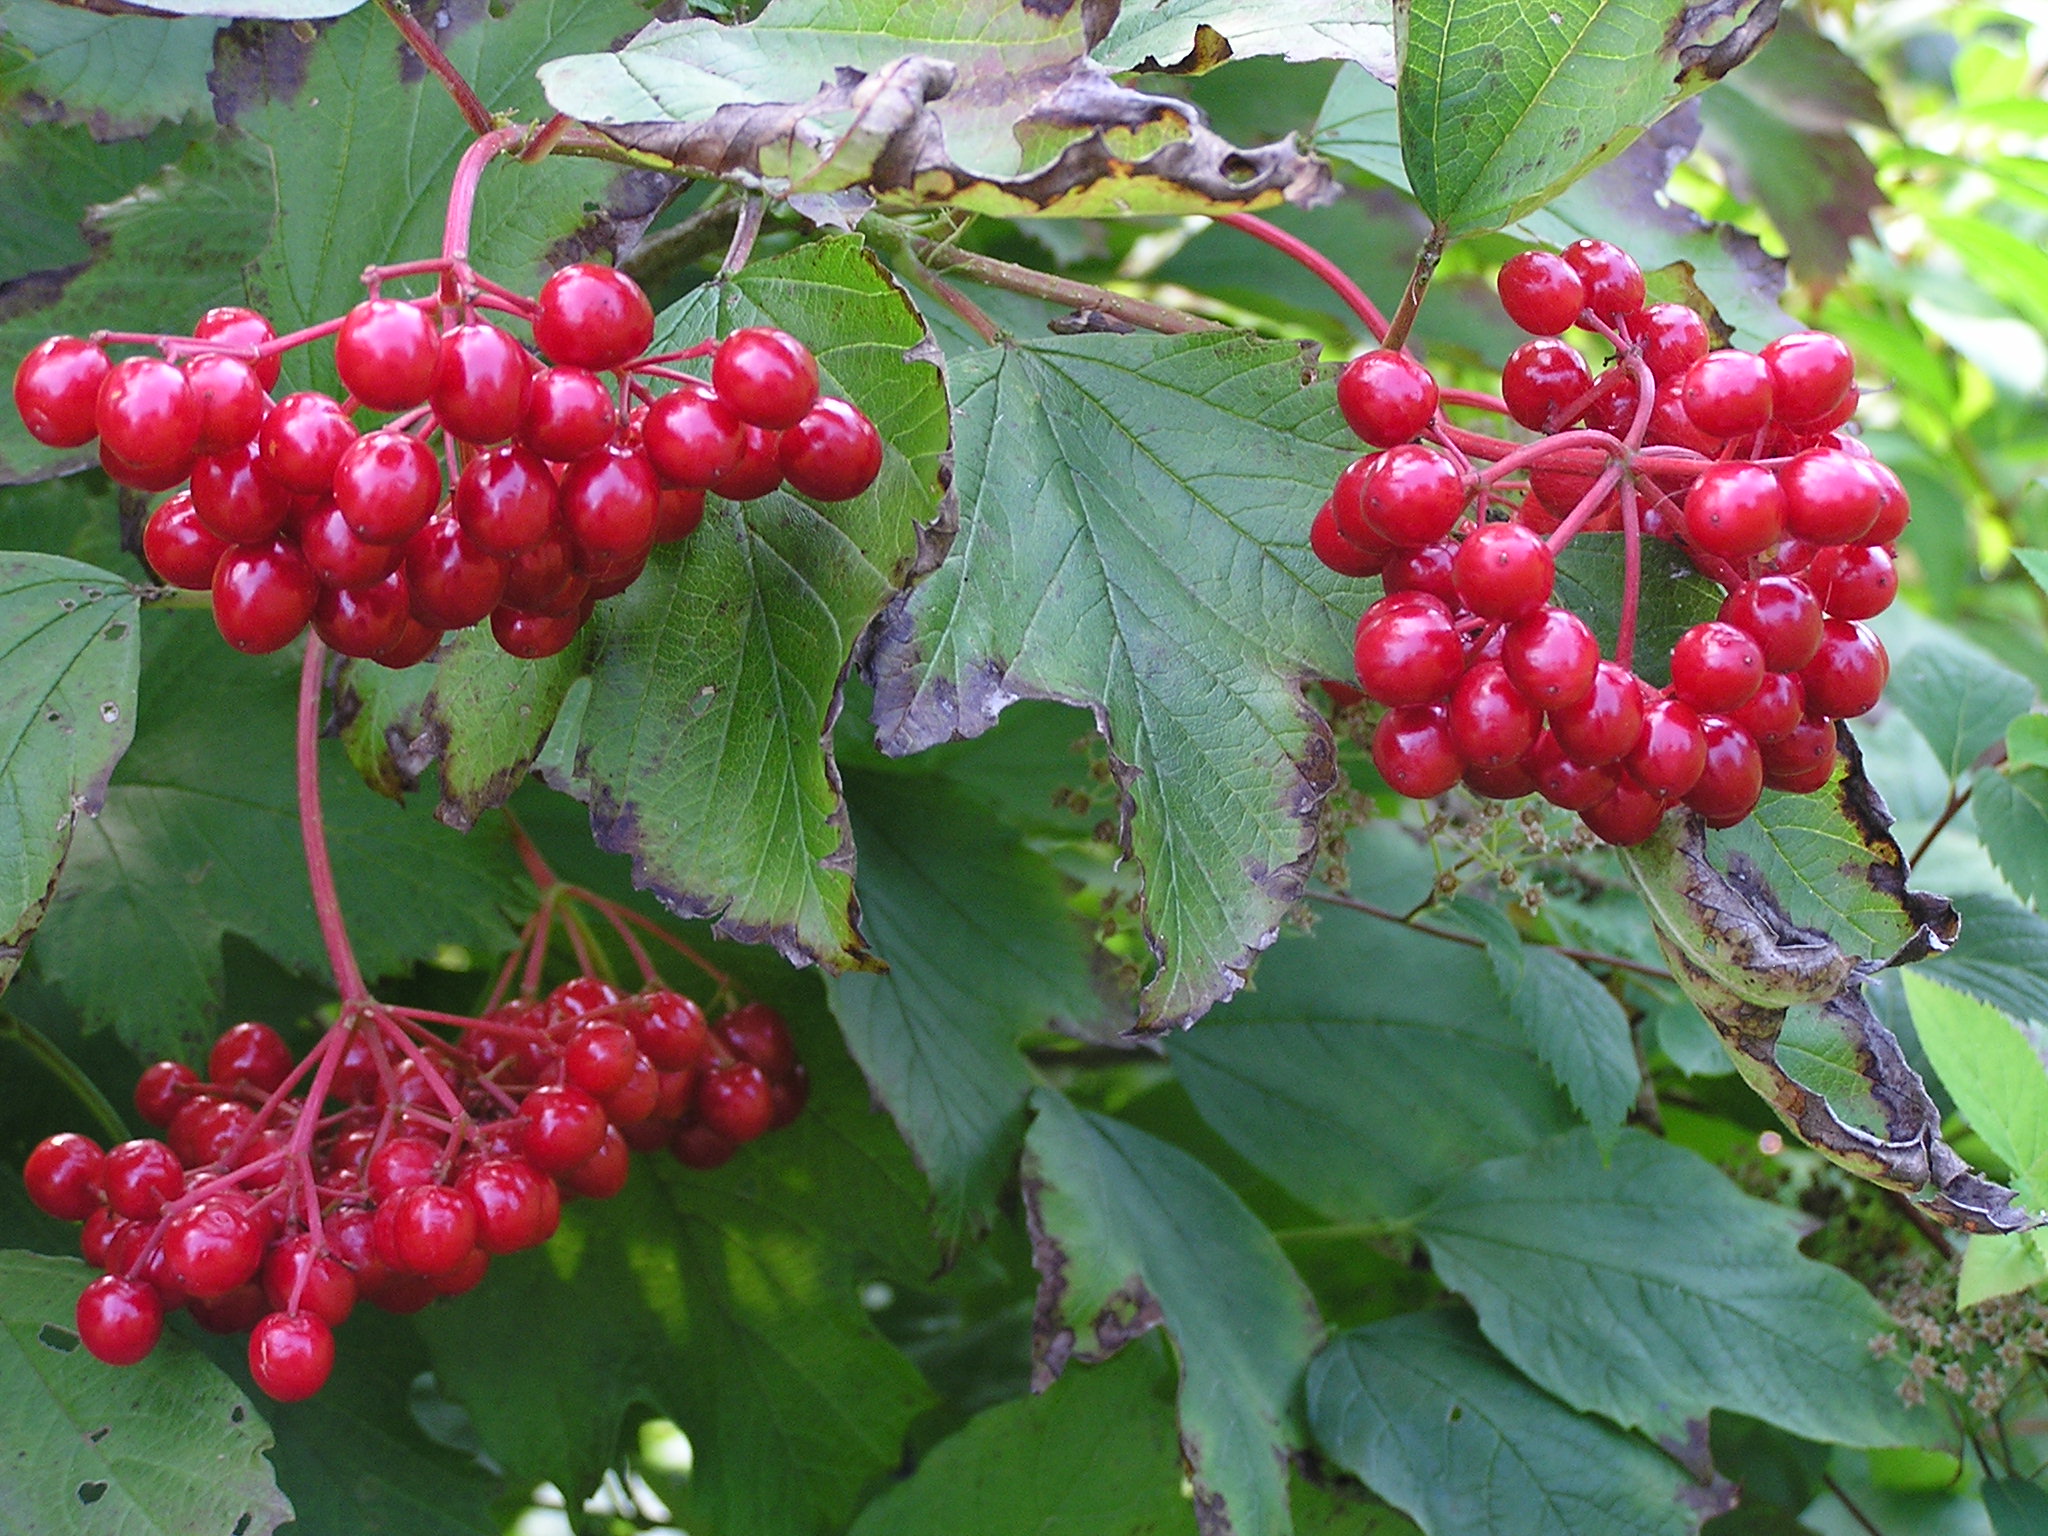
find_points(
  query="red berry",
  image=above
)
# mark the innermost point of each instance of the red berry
(1784, 616)
(564, 1126)
(1612, 280)
(1847, 673)
(1504, 571)
(691, 437)
(1566, 784)
(1541, 293)
(62, 1175)
(179, 547)
(533, 636)
(735, 1101)
(1811, 372)
(1387, 397)
(1347, 507)
(1893, 507)
(543, 579)
(236, 499)
(1734, 510)
(1629, 815)
(1613, 409)
(636, 1098)
(1728, 393)
(1427, 569)
(1492, 724)
(454, 582)
(1414, 751)
(569, 413)
(607, 505)
(1540, 380)
(302, 441)
(505, 500)
(364, 621)
(1510, 781)
(162, 1090)
(602, 1174)
(418, 644)
(1669, 424)
(387, 485)
(1672, 337)
(211, 1248)
(1830, 498)
(671, 1031)
(1603, 726)
(758, 469)
(147, 414)
(119, 1320)
(232, 326)
(386, 353)
(263, 596)
(249, 1053)
(516, 1204)
(480, 389)
(767, 377)
(599, 1057)
(1716, 666)
(833, 454)
(139, 1176)
(296, 1277)
(1670, 752)
(1408, 654)
(1777, 709)
(232, 402)
(582, 995)
(1802, 760)
(1732, 777)
(1413, 495)
(291, 1355)
(338, 558)
(433, 1228)
(677, 515)
(756, 1033)
(204, 1129)
(592, 317)
(1856, 582)
(57, 390)
(1551, 655)
(697, 1145)
(401, 1163)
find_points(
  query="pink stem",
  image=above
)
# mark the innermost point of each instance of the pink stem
(1316, 262)
(341, 958)
(1545, 448)
(462, 194)
(1632, 574)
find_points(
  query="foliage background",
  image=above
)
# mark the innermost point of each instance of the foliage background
(1434, 1225)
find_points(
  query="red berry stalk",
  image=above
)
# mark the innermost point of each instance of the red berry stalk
(408, 1148)
(1737, 458)
(467, 476)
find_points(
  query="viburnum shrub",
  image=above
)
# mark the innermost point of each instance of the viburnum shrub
(1735, 457)
(466, 476)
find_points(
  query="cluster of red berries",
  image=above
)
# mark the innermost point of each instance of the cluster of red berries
(1733, 456)
(557, 483)
(408, 1163)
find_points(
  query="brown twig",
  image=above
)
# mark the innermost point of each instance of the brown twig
(1827, 1478)
(1057, 290)
(474, 112)
(1411, 297)
(1473, 941)
(746, 230)
(1957, 799)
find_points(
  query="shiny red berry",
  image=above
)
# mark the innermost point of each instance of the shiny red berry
(1728, 393)
(1601, 727)
(291, 1355)
(387, 485)
(1551, 655)
(1504, 571)
(516, 1206)
(758, 469)
(1629, 815)
(1858, 581)
(767, 377)
(1811, 373)
(212, 1247)
(1408, 653)
(119, 1320)
(1670, 752)
(1491, 723)
(340, 559)
(250, 1053)
(179, 547)
(233, 326)
(237, 498)
(147, 414)
(232, 401)
(1732, 776)
(671, 1031)
(364, 621)
(1716, 666)
(1540, 380)
(303, 439)
(592, 317)
(1782, 614)
(1847, 673)
(1541, 293)
(833, 454)
(1734, 510)
(569, 413)
(607, 504)
(453, 582)
(1386, 397)
(564, 1125)
(692, 437)
(1830, 497)
(1414, 751)
(137, 1177)
(1672, 337)
(386, 353)
(1612, 280)
(480, 387)
(62, 1176)
(505, 500)
(162, 1090)
(736, 1101)
(57, 390)
(263, 596)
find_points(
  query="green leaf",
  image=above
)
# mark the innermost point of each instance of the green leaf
(1428, 1416)
(2016, 1507)
(1993, 1072)
(2011, 810)
(2000, 955)
(1674, 596)
(162, 1448)
(122, 75)
(2026, 741)
(1958, 698)
(161, 258)
(1189, 36)
(352, 191)
(981, 950)
(354, 1456)
(2035, 563)
(1129, 1233)
(383, 727)
(1095, 1453)
(50, 174)
(1504, 105)
(715, 679)
(1624, 200)
(200, 838)
(1343, 1509)
(1369, 1068)
(1134, 537)
(1999, 1264)
(69, 651)
(1601, 1277)
(727, 1301)
(991, 105)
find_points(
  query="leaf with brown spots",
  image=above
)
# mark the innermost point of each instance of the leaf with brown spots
(991, 105)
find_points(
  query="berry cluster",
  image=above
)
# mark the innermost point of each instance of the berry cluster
(1733, 456)
(392, 1163)
(492, 485)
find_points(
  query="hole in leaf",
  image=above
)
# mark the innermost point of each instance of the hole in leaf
(242, 1525)
(1237, 170)
(63, 1340)
(99, 1434)
(91, 1493)
(1457, 1414)
(237, 1414)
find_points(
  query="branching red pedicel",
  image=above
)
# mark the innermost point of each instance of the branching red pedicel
(1735, 457)
(467, 476)
(408, 1148)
